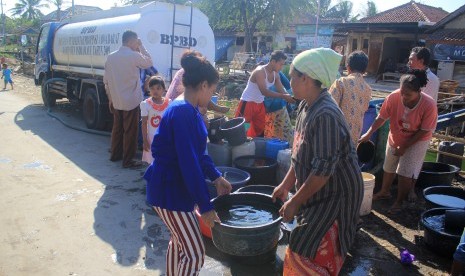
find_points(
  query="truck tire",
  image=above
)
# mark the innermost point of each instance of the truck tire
(48, 99)
(93, 113)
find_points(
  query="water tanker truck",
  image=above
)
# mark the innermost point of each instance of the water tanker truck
(71, 55)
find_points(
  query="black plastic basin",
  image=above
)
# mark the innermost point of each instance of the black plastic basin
(243, 240)
(234, 131)
(436, 174)
(261, 189)
(214, 133)
(445, 197)
(262, 169)
(435, 236)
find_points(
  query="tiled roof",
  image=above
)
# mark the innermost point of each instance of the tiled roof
(409, 12)
(447, 35)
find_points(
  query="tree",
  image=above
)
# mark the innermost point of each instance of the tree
(252, 15)
(343, 10)
(58, 4)
(371, 9)
(29, 9)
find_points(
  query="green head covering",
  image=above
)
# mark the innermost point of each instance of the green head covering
(320, 64)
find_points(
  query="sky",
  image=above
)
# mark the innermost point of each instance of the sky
(359, 5)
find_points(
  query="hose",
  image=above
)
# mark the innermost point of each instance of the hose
(49, 113)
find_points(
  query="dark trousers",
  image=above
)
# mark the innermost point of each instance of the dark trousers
(124, 135)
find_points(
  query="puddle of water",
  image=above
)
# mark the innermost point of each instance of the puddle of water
(37, 165)
(5, 160)
(362, 268)
(19, 117)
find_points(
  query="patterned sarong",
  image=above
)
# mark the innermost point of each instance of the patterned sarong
(328, 259)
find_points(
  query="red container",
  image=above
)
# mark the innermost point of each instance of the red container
(204, 229)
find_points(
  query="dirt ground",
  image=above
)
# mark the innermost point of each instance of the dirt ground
(378, 243)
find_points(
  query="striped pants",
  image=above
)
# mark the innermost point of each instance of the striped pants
(186, 251)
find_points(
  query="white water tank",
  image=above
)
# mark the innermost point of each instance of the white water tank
(88, 43)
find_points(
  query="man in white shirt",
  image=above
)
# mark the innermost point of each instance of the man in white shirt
(122, 79)
(419, 59)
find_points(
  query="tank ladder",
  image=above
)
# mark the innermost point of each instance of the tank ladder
(173, 46)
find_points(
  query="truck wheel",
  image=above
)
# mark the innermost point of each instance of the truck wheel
(48, 99)
(93, 112)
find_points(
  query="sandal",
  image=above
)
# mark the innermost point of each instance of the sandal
(134, 165)
(378, 196)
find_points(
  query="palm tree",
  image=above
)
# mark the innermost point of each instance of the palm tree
(29, 9)
(58, 4)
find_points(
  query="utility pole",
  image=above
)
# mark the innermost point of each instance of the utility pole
(72, 7)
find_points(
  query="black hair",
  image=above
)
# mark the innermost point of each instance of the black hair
(197, 69)
(157, 80)
(414, 80)
(422, 53)
(5, 65)
(278, 55)
(300, 74)
(128, 35)
(358, 61)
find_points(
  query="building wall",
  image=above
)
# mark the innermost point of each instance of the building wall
(380, 47)
(457, 23)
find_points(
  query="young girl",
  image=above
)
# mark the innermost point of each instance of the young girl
(176, 178)
(151, 111)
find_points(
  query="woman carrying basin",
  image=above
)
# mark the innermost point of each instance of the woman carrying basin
(324, 170)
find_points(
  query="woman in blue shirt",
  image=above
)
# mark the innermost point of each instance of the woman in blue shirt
(176, 177)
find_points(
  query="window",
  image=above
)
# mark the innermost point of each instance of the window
(240, 41)
(365, 44)
(43, 38)
(354, 44)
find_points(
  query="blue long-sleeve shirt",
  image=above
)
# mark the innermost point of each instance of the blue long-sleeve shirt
(176, 178)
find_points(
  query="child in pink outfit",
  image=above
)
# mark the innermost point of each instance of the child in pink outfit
(151, 111)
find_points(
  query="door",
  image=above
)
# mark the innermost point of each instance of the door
(42, 52)
(374, 53)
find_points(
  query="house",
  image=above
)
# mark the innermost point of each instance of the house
(447, 39)
(62, 14)
(388, 37)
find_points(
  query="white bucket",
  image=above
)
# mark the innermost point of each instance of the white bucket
(369, 184)
(248, 148)
(284, 163)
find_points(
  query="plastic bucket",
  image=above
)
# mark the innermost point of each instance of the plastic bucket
(248, 148)
(220, 154)
(273, 146)
(260, 146)
(369, 185)
(214, 134)
(234, 131)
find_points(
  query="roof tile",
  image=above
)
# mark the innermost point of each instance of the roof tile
(409, 12)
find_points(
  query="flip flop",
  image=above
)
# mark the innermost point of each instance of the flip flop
(381, 197)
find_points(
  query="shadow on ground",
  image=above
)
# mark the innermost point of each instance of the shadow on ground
(121, 216)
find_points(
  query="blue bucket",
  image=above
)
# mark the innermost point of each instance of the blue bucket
(273, 146)
(368, 119)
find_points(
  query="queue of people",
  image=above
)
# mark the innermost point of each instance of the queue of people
(324, 166)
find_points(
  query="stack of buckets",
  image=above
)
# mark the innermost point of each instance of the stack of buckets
(234, 145)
